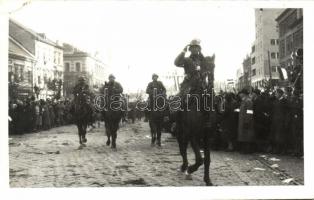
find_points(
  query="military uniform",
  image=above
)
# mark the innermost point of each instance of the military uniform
(160, 90)
(192, 79)
(114, 88)
(157, 85)
(81, 88)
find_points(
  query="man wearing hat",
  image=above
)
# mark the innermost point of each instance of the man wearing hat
(157, 86)
(113, 86)
(191, 65)
(81, 87)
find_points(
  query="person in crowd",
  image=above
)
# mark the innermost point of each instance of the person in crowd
(229, 122)
(60, 113)
(260, 115)
(296, 124)
(46, 115)
(246, 135)
(52, 115)
(278, 123)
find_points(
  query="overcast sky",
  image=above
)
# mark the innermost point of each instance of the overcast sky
(146, 36)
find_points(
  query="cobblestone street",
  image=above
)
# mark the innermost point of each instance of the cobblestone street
(52, 159)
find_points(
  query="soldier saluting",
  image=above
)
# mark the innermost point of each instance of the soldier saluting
(191, 65)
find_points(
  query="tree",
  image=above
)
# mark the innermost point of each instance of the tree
(56, 86)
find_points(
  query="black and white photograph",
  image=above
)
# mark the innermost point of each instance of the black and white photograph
(156, 95)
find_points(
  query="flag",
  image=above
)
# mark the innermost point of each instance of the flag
(282, 73)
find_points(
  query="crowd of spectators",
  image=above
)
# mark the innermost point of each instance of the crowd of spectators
(252, 120)
(30, 115)
(261, 121)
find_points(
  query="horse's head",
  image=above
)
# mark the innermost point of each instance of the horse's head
(207, 71)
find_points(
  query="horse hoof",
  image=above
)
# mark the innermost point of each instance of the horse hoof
(80, 147)
(114, 148)
(209, 184)
(152, 144)
(84, 140)
(188, 176)
(108, 143)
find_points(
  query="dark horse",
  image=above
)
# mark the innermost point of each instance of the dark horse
(82, 113)
(195, 124)
(113, 113)
(156, 118)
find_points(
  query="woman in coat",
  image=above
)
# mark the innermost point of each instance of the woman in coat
(279, 123)
(246, 135)
(46, 116)
(229, 121)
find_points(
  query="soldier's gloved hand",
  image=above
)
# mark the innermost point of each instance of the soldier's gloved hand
(186, 48)
(198, 68)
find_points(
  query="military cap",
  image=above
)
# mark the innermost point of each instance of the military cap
(112, 76)
(195, 42)
(155, 75)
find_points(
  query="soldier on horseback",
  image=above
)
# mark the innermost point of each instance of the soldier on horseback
(195, 124)
(81, 88)
(114, 87)
(82, 109)
(191, 65)
(156, 86)
(112, 115)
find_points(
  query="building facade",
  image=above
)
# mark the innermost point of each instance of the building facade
(47, 73)
(290, 23)
(21, 64)
(240, 79)
(78, 63)
(247, 75)
(265, 50)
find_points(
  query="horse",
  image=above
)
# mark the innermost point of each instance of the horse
(82, 115)
(195, 125)
(156, 118)
(113, 113)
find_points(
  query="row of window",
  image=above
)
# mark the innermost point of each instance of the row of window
(274, 41)
(77, 67)
(47, 55)
(273, 69)
(285, 25)
(289, 44)
(17, 73)
(273, 55)
(45, 79)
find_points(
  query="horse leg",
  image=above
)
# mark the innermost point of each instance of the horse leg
(79, 132)
(198, 157)
(207, 159)
(114, 135)
(158, 132)
(107, 129)
(152, 132)
(84, 127)
(108, 137)
(183, 145)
